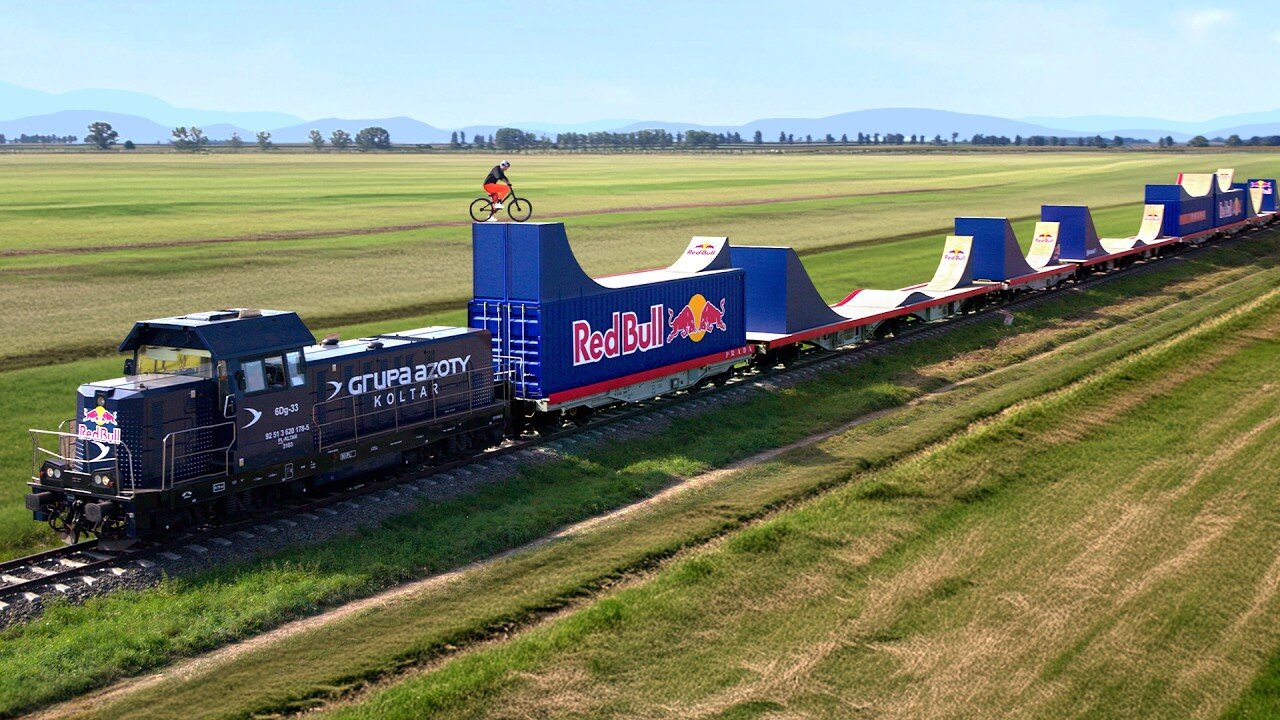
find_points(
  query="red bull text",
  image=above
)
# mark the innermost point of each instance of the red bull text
(626, 335)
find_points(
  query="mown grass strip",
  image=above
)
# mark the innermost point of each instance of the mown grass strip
(515, 589)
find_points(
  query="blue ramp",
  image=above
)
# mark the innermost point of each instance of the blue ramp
(1077, 237)
(781, 298)
(996, 253)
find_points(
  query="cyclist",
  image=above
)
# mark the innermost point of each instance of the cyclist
(497, 193)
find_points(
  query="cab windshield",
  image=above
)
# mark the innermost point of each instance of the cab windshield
(173, 361)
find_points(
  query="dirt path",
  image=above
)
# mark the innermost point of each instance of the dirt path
(316, 234)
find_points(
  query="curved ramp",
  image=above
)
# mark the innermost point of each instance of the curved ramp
(996, 254)
(703, 253)
(1267, 189)
(1226, 177)
(954, 269)
(1077, 237)
(780, 296)
(1152, 223)
(1197, 184)
(1044, 250)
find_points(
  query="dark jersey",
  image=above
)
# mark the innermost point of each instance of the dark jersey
(495, 175)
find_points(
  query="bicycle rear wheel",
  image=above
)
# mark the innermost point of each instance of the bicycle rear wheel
(481, 209)
(519, 209)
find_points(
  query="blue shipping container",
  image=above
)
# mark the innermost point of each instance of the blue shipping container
(555, 329)
(1183, 214)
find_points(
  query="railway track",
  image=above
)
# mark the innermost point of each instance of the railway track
(84, 566)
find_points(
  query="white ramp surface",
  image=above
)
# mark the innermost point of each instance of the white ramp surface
(1225, 177)
(1152, 221)
(1044, 246)
(1197, 184)
(953, 269)
(699, 255)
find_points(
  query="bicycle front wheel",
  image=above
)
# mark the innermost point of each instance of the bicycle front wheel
(519, 209)
(481, 209)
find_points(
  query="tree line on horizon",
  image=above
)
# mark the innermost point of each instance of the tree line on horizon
(193, 139)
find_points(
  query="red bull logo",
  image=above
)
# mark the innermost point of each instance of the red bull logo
(696, 319)
(701, 249)
(953, 254)
(103, 423)
(1263, 185)
(626, 335)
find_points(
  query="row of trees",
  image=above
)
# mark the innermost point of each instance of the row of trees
(42, 139)
(193, 139)
(512, 139)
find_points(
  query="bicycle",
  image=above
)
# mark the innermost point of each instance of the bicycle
(518, 209)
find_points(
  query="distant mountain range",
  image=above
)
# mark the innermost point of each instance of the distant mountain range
(147, 119)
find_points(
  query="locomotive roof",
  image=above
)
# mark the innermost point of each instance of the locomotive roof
(224, 333)
(387, 341)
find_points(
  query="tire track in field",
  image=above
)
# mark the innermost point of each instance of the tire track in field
(318, 234)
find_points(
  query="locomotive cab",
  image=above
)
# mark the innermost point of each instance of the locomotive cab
(203, 397)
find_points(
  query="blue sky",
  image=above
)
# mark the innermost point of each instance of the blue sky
(460, 63)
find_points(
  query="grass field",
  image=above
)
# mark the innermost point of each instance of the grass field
(1102, 344)
(912, 522)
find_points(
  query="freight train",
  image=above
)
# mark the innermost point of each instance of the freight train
(221, 412)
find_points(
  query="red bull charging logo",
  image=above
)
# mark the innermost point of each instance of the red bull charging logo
(628, 334)
(696, 319)
(103, 422)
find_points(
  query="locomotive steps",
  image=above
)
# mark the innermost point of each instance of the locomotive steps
(1099, 329)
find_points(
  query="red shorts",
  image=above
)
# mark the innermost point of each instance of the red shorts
(497, 191)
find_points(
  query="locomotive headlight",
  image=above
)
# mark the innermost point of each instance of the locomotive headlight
(57, 472)
(48, 472)
(97, 479)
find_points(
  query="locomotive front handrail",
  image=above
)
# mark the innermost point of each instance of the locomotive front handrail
(76, 465)
(169, 458)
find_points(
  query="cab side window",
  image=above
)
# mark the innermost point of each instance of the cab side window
(296, 377)
(275, 374)
(254, 380)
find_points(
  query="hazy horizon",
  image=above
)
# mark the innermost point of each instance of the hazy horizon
(711, 64)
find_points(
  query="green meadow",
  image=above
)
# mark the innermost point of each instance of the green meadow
(842, 554)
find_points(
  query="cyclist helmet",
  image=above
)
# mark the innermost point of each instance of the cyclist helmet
(505, 163)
